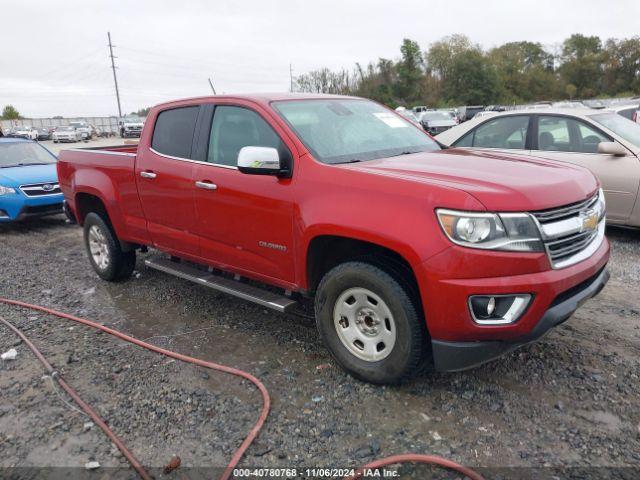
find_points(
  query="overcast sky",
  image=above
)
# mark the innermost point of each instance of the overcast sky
(54, 56)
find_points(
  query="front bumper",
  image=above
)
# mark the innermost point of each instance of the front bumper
(17, 207)
(454, 356)
(448, 279)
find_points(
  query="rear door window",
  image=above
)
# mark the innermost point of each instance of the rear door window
(564, 134)
(173, 132)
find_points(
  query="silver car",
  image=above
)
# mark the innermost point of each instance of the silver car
(601, 140)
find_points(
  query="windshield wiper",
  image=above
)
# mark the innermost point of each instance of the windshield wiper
(24, 164)
(353, 160)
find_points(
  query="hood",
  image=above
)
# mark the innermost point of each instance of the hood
(500, 182)
(133, 124)
(16, 176)
(440, 123)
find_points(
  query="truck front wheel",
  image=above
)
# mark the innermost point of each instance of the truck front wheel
(369, 324)
(105, 254)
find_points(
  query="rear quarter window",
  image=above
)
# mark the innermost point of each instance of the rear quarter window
(173, 132)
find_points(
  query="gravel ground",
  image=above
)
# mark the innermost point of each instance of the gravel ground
(567, 406)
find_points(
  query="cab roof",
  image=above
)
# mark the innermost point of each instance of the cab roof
(262, 98)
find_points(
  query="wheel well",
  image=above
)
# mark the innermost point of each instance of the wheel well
(326, 252)
(86, 204)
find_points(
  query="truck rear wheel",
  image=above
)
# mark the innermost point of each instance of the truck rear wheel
(369, 324)
(105, 254)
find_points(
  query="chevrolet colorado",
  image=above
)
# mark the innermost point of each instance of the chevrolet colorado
(411, 251)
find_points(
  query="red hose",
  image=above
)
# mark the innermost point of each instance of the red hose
(253, 433)
(417, 458)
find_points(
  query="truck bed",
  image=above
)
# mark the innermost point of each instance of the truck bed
(108, 174)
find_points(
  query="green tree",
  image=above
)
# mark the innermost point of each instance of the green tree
(9, 112)
(581, 64)
(621, 64)
(524, 70)
(472, 80)
(410, 70)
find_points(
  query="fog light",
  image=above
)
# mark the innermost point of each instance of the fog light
(491, 306)
(498, 309)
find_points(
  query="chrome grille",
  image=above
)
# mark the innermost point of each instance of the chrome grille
(41, 189)
(566, 237)
(568, 246)
(572, 210)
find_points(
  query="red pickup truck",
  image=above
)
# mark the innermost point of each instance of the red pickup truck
(412, 251)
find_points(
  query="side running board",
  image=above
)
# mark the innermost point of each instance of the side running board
(217, 282)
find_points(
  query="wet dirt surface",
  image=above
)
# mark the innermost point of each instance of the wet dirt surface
(572, 399)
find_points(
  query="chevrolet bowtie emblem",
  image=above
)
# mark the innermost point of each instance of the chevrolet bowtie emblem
(589, 221)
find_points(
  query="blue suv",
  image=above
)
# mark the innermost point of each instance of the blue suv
(28, 180)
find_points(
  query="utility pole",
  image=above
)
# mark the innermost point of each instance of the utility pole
(211, 85)
(291, 78)
(115, 78)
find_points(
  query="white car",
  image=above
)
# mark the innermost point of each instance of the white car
(83, 128)
(66, 134)
(26, 131)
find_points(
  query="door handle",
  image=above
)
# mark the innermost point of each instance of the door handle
(150, 175)
(206, 185)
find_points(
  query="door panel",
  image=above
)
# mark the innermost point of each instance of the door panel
(165, 184)
(245, 223)
(167, 202)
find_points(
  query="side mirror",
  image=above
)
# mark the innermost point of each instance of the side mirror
(612, 148)
(259, 161)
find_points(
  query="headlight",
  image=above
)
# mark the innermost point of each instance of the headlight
(600, 206)
(491, 231)
(6, 190)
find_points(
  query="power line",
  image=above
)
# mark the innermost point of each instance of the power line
(290, 78)
(115, 78)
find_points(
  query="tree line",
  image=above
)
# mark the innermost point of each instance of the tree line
(455, 71)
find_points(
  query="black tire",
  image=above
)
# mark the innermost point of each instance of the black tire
(120, 264)
(408, 353)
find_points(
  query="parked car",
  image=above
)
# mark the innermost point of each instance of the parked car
(44, 134)
(452, 112)
(436, 122)
(402, 244)
(131, 127)
(83, 128)
(66, 134)
(630, 112)
(419, 110)
(466, 113)
(25, 131)
(569, 104)
(484, 113)
(28, 180)
(408, 114)
(601, 140)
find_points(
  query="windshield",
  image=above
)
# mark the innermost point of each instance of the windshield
(65, 129)
(619, 125)
(341, 131)
(435, 116)
(15, 154)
